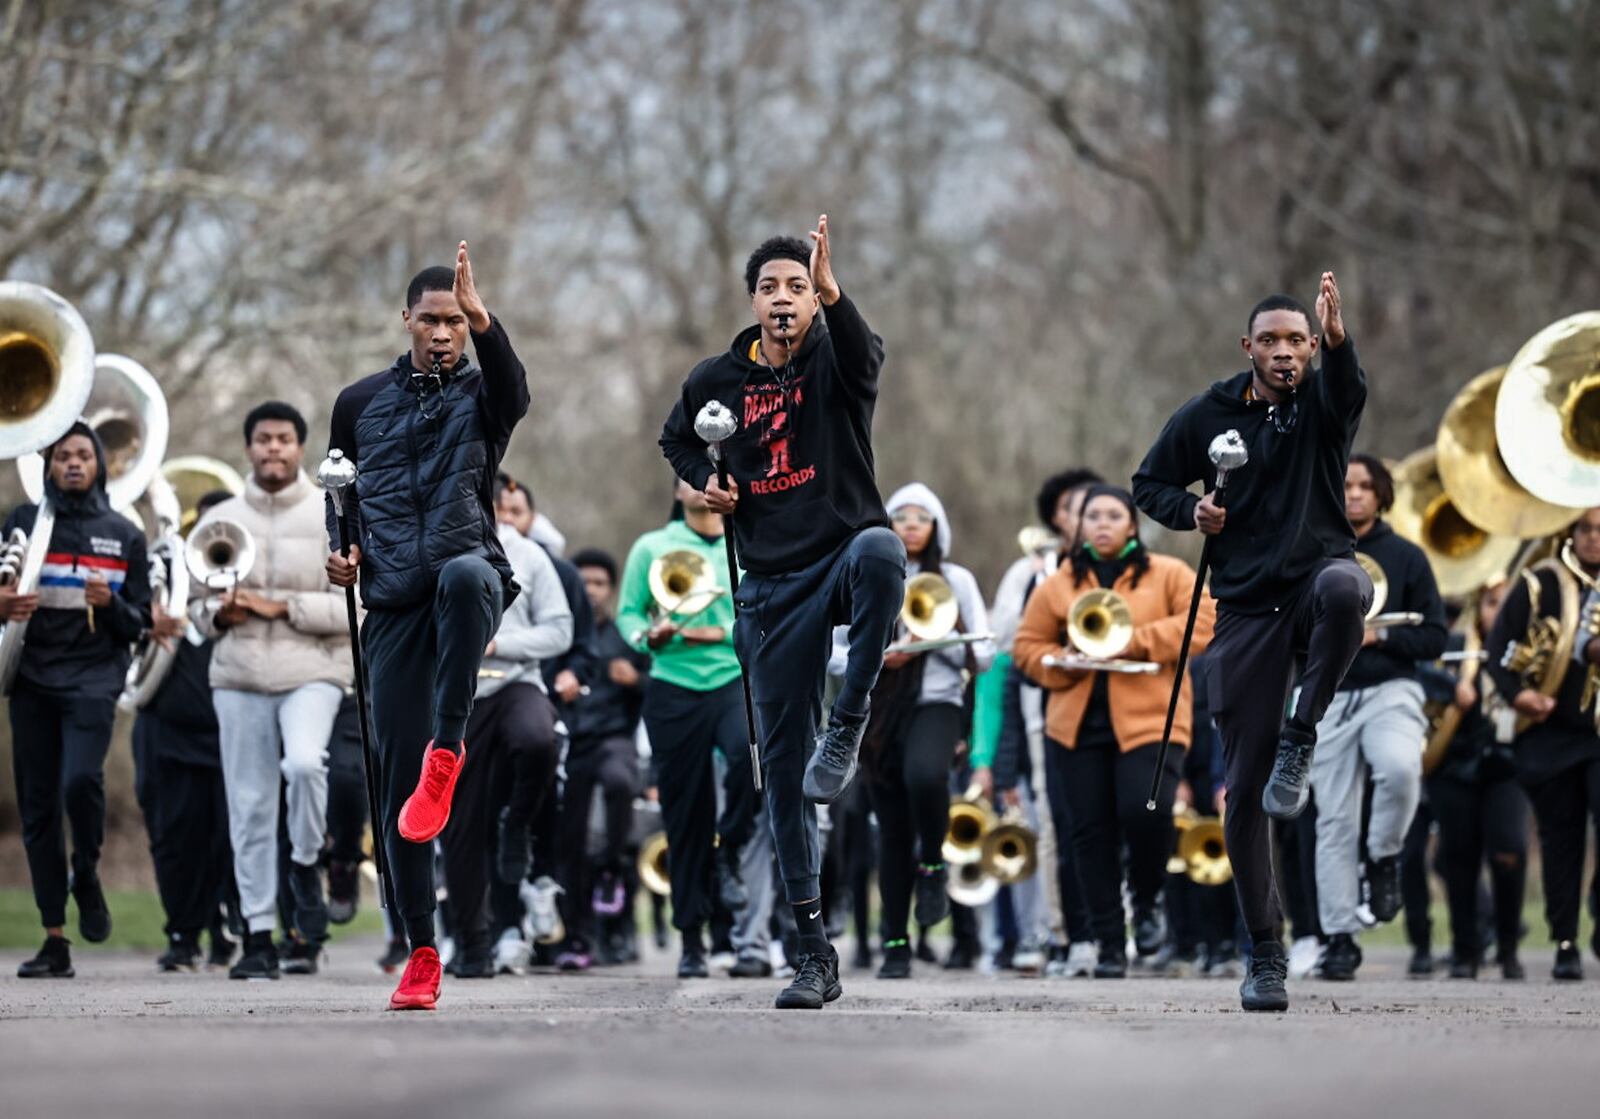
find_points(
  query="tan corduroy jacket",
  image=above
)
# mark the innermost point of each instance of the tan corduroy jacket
(1160, 606)
(313, 641)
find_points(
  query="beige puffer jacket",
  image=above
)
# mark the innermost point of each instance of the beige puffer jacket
(313, 641)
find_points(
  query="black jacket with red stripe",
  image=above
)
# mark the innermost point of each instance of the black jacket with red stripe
(61, 653)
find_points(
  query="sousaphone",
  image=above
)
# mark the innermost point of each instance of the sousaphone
(1547, 413)
(1464, 557)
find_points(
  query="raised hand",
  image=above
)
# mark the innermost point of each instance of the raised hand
(1328, 310)
(822, 264)
(466, 293)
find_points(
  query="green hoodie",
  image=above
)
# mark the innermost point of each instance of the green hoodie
(699, 668)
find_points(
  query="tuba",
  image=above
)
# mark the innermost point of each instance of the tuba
(47, 369)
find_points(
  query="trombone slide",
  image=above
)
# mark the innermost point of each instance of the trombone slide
(1076, 662)
(938, 643)
(1395, 620)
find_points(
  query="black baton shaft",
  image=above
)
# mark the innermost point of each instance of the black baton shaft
(380, 854)
(733, 589)
(1183, 661)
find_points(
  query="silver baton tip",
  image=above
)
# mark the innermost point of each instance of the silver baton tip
(715, 422)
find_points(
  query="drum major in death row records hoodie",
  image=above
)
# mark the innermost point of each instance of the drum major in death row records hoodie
(802, 454)
(1286, 505)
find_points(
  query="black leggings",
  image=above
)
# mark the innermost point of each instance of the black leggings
(1562, 808)
(1106, 788)
(1479, 820)
(910, 791)
(610, 765)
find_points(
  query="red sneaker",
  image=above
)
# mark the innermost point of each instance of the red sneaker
(427, 810)
(419, 983)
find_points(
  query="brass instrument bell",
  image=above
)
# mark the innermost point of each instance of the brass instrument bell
(970, 885)
(930, 610)
(1010, 852)
(652, 865)
(46, 367)
(1547, 413)
(192, 477)
(1380, 583)
(1204, 851)
(1464, 557)
(1100, 624)
(971, 820)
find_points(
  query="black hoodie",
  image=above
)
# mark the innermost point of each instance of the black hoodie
(802, 454)
(1286, 506)
(1411, 587)
(60, 654)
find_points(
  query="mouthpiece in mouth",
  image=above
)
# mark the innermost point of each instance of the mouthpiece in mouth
(437, 366)
(782, 319)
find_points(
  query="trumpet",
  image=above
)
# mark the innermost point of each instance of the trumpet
(220, 553)
(1010, 851)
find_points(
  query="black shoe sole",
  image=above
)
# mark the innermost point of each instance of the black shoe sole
(68, 974)
(802, 1000)
(1258, 1007)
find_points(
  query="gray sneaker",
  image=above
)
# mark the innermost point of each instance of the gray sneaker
(833, 764)
(1288, 789)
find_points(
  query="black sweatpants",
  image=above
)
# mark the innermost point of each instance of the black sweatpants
(1562, 809)
(347, 785)
(1107, 788)
(185, 810)
(685, 727)
(1480, 821)
(1297, 866)
(1415, 896)
(1075, 916)
(783, 630)
(422, 667)
(610, 765)
(518, 718)
(1258, 657)
(909, 791)
(58, 754)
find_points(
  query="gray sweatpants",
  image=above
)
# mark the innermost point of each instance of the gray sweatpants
(1380, 729)
(266, 739)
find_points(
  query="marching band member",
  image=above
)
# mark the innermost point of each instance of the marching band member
(813, 537)
(693, 706)
(512, 722)
(278, 675)
(1288, 589)
(1557, 749)
(1375, 726)
(434, 576)
(1104, 728)
(177, 757)
(93, 602)
(1482, 813)
(918, 716)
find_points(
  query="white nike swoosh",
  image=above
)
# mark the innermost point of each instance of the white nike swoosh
(814, 916)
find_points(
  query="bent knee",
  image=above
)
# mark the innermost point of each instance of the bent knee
(1345, 590)
(878, 543)
(466, 574)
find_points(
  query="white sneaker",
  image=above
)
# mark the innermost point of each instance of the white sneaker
(512, 953)
(721, 961)
(1303, 954)
(543, 922)
(447, 950)
(1081, 958)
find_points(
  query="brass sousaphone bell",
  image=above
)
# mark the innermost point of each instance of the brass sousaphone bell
(1463, 556)
(1547, 413)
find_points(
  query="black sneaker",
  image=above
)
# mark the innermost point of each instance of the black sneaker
(1113, 961)
(94, 917)
(222, 948)
(1569, 962)
(833, 764)
(310, 910)
(692, 964)
(730, 887)
(260, 959)
(925, 952)
(963, 955)
(896, 962)
(476, 964)
(182, 954)
(863, 957)
(1288, 789)
(300, 956)
(512, 856)
(751, 967)
(1383, 888)
(1149, 932)
(1421, 965)
(933, 895)
(1511, 968)
(815, 983)
(54, 961)
(344, 891)
(1463, 967)
(1340, 958)
(395, 957)
(1263, 987)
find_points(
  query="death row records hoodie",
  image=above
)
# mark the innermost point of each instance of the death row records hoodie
(802, 454)
(61, 653)
(1286, 505)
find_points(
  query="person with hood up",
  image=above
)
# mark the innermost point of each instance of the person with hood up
(918, 718)
(92, 604)
(1374, 729)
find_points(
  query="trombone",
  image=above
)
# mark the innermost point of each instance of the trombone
(929, 613)
(1099, 628)
(1376, 618)
(682, 586)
